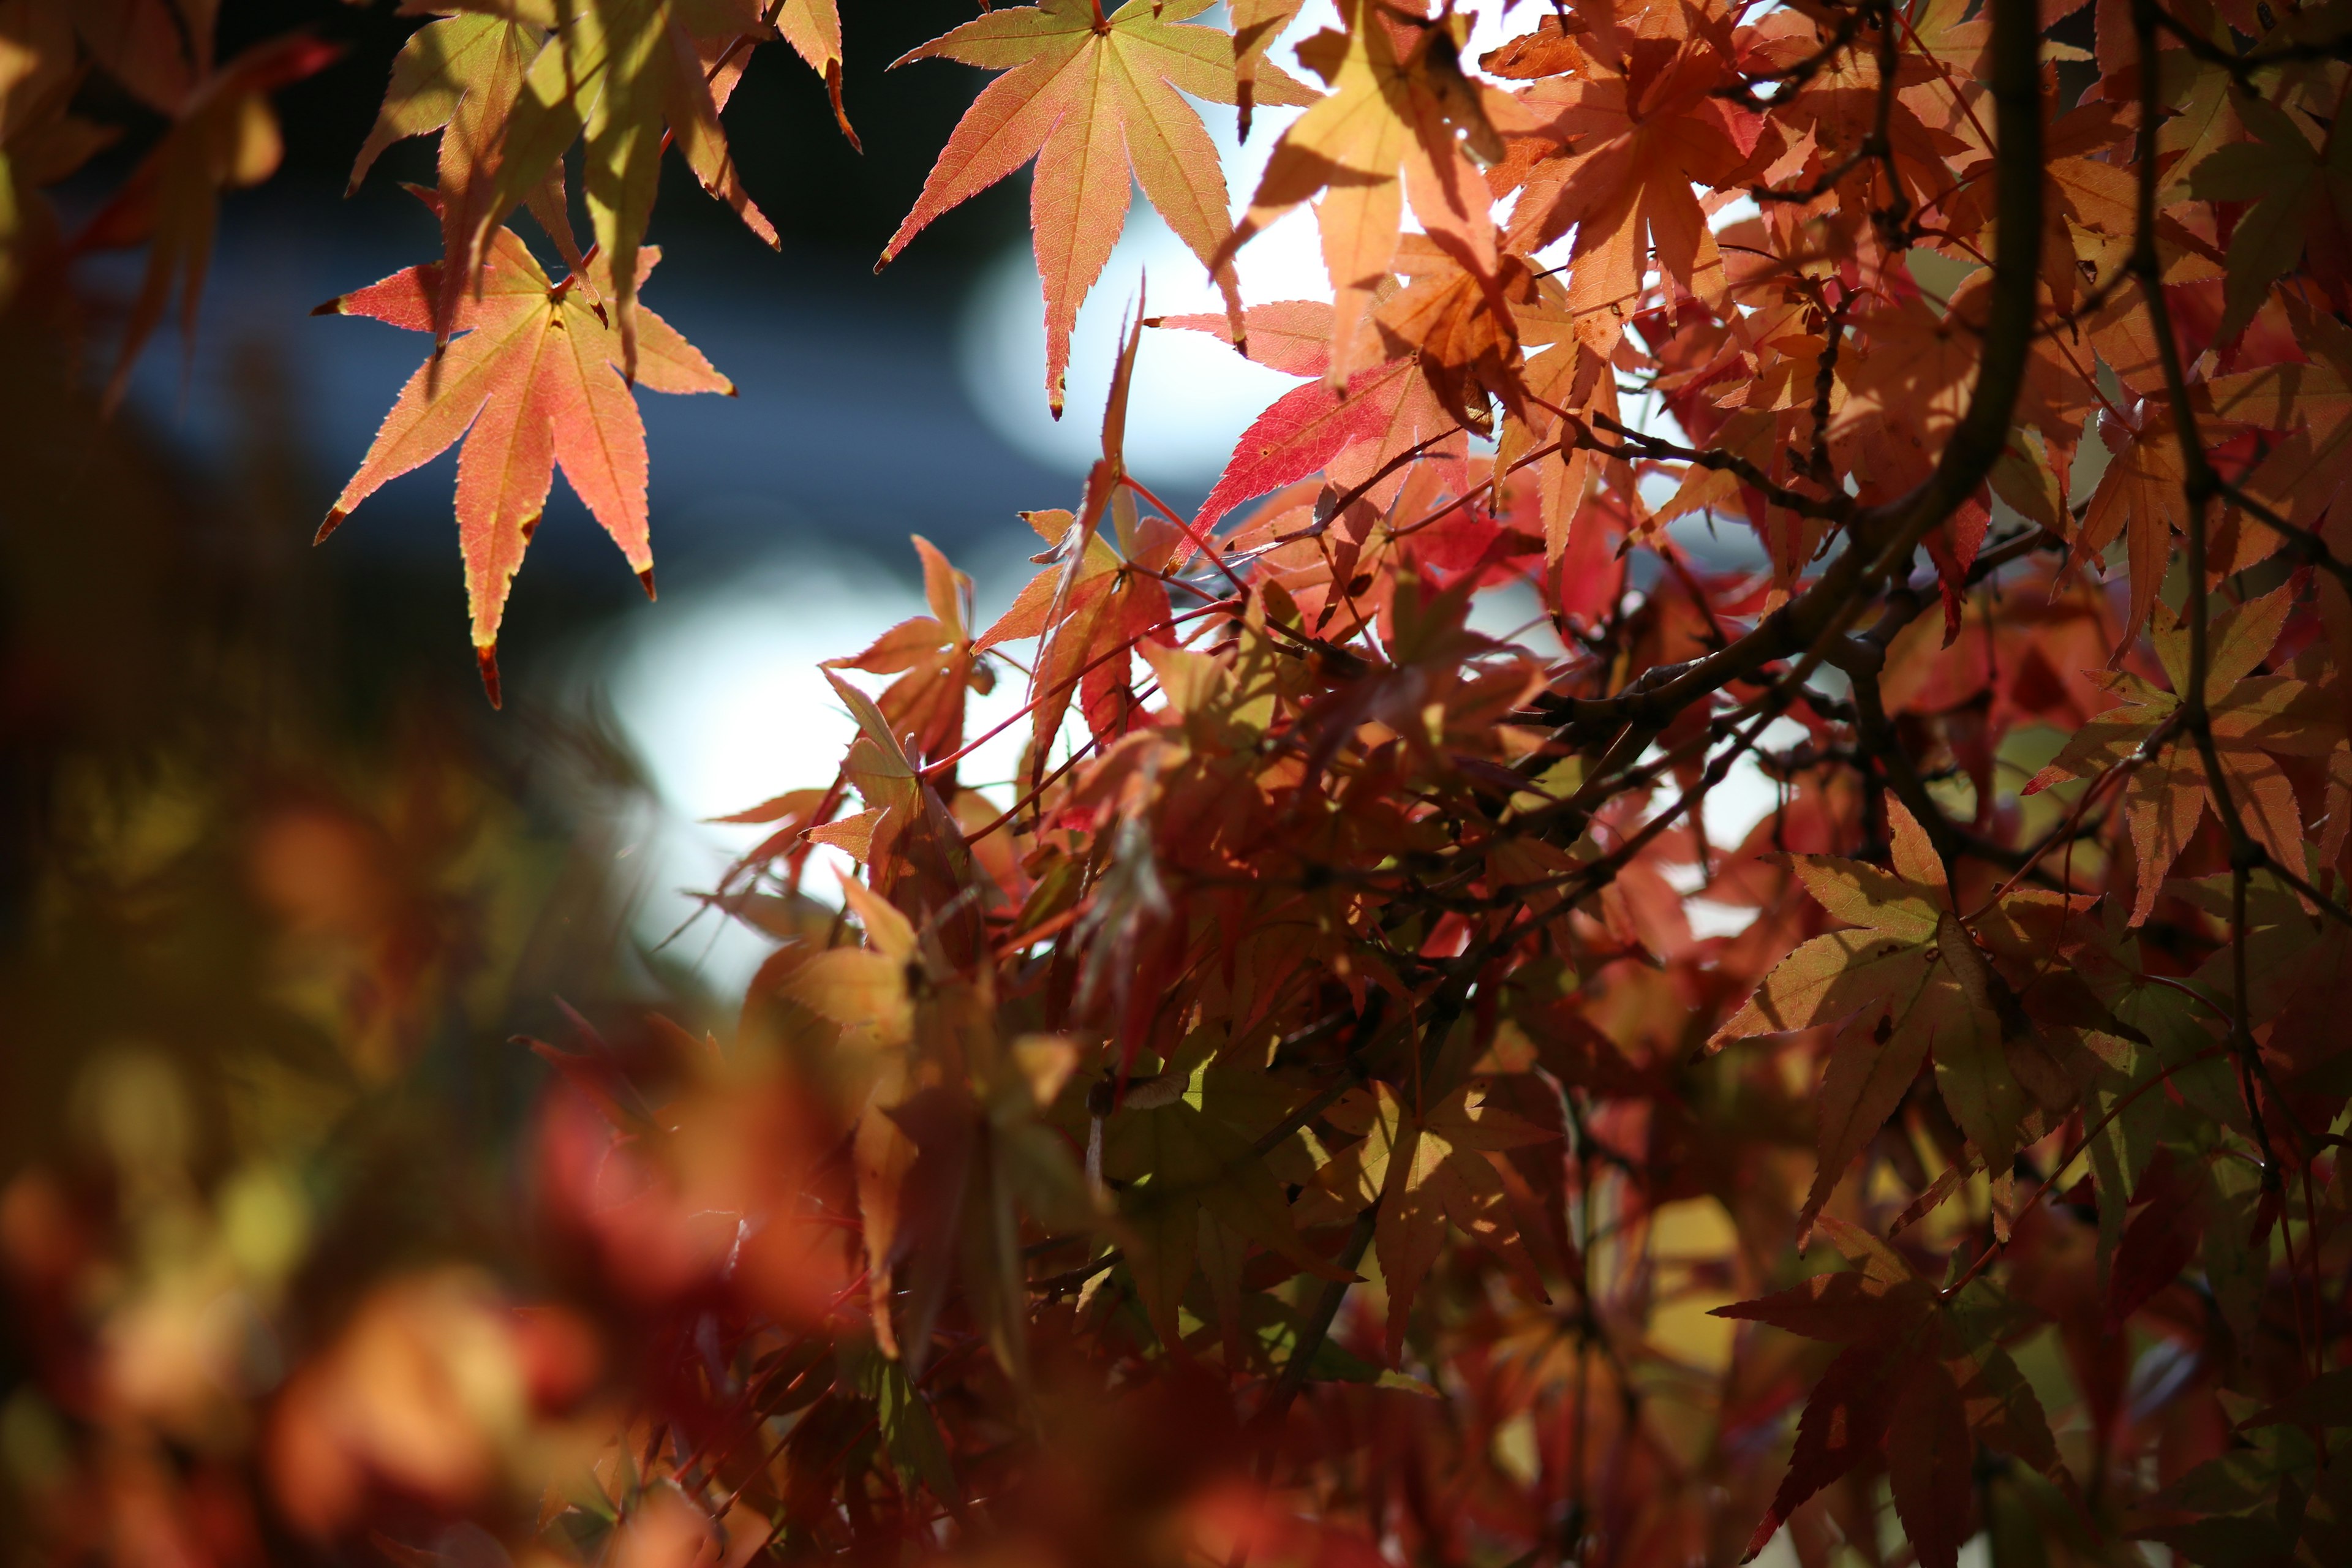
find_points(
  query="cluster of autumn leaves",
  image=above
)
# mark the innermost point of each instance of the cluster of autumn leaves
(1302, 1116)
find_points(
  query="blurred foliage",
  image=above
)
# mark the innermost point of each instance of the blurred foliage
(271, 907)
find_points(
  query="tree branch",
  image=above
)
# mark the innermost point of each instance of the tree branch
(1883, 538)
(2200, 484)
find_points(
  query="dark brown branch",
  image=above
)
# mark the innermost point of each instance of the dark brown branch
(1824, 384)
(2241, 67)
(1791, 78)
(1833, 508)
(1885, 537)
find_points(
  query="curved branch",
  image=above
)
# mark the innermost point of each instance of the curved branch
(1885, 537)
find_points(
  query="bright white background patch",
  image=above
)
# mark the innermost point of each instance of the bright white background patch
(723, 698)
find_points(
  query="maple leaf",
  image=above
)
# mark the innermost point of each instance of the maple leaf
(1293, 336)
(1930, 994)
(461, 76)
(1257, 24)
(1306, 429)
(2302, 210)
(442, 64)
(1633, 148)
(1087, 608)
(2253, 721)
(812, 27)
(1920, 1380)
(223, 137)
(2092, 213)
(629, 76)
(1189, 1172)
(934, 659)
(1382, 413)
(1461, 327)
(913, 850)
(1396, 104)
(866, 990)
(2272, 1497)
(2140, 499)
(158, 50)
(532, 384)
(981, 1158)
(1563, 377)
(2311, 472)
(1425, 1172)
(1909, 387)
(1849, 1415)
(1095, 101)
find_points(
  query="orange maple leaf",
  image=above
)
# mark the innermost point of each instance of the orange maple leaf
(532, 384)
(934, 659)
(2255, 719)
(1633, 148)
(633, 76)
(1095, 99)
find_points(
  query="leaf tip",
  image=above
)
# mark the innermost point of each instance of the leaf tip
(646, 581)
(335, 515)
(333, 307)
(840, 114)
(486, 656)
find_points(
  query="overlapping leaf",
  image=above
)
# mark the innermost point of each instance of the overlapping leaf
(1426, 1171)
(631, 77)
(1917, 1384)
(222, 136)
(1918, 987)
(2167, 792)
(1386, 132)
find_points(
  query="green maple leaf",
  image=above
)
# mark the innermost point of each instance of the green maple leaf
(1912, 986)
(1425, 1172)
(1198, 1191)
